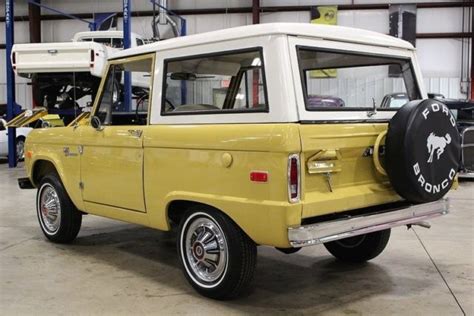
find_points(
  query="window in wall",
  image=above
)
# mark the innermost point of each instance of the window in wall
(112, 109)
(219, 83)
(362, 81)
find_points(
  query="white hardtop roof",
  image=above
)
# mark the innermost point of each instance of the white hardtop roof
(100, 34)
(329, 32)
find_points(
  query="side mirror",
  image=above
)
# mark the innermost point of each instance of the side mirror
(96, 123)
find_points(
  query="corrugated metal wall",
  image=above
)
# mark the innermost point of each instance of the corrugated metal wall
(439, 58)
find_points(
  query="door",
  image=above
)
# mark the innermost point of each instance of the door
(111, 167)
(112, 152)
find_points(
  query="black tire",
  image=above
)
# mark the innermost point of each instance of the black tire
(20, 148)
(65, 228)
(359, 248)
(237, 252)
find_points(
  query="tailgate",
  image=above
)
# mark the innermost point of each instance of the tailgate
(338, 172)
(56, 57)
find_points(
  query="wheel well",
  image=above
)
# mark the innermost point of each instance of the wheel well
(42, 168)
(176, 210)
(21, 137)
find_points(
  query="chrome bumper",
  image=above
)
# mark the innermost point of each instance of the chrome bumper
(466, 174)
(324, 232)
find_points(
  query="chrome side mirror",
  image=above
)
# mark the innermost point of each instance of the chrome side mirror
(96, 123)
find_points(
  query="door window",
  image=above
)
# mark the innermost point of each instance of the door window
(112, 109)
(225, 82)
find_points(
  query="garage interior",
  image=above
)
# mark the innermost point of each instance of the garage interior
(115, 268)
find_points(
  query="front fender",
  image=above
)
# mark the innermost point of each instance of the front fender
(68, 169)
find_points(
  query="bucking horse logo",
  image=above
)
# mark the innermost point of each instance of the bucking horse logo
(437, 144)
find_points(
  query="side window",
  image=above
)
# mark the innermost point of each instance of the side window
(2, 125)
(139, 42)
(112, 108)
(117, 42)
(219, 83)
(103, 41)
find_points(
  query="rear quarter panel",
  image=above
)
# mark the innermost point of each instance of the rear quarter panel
(185, 162)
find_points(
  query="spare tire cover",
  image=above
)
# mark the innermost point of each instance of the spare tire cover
(422, 151)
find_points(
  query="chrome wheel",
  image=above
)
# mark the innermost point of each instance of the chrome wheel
(204, 249)
(20, 149)
(49, 209)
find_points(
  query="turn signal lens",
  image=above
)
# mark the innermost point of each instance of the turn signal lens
(14, 61)
(259, 176)
(294, 178)
(92, 58)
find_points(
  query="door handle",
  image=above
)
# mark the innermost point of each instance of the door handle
(135, 132)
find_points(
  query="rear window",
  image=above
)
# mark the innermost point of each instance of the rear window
(335, 80)
(226, 82)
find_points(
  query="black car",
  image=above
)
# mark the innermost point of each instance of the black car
(463, 110)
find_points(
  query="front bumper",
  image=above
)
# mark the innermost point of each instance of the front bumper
(323, 232)
(25, 183)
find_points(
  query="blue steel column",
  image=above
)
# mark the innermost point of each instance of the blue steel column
(9, 21)
(127, 101)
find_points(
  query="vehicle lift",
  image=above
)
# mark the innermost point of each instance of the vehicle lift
(13, 109)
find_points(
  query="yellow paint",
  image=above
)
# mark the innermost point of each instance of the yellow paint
(134, 173)
(135, 179)
(53, 120)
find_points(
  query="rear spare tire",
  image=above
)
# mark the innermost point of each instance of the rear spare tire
(422, 151)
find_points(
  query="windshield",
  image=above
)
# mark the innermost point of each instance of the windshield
(345, 80)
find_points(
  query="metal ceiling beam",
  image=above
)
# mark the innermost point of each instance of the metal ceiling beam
(384, 6)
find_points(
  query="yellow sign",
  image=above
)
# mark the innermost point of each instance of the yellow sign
(324, 15)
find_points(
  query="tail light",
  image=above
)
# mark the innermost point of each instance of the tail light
(92, 58)
(14, 60)
(294, 181)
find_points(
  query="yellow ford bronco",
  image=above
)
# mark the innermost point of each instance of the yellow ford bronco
(270, 134)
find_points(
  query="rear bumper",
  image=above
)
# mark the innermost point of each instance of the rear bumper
(466, 174)
(324, 232)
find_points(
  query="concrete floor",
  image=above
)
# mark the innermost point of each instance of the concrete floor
(115, 268)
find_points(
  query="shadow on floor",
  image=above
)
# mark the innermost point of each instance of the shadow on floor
(282, 281)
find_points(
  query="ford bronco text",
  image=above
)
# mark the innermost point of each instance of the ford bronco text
(269, 135)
